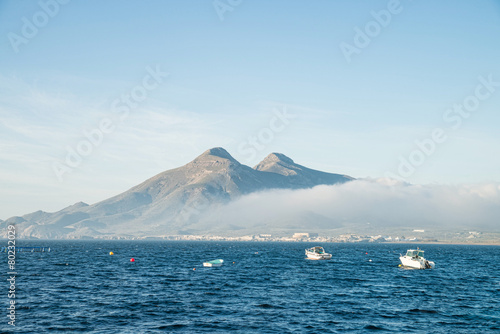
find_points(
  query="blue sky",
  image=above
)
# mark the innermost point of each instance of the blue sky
(229, 75)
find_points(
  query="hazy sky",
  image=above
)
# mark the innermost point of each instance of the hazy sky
(97, 96)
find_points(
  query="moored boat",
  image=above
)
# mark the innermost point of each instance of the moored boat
(317, 253)
(213, 263)
(414, 259)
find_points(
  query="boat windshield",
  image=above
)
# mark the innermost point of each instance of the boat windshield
(411, 253)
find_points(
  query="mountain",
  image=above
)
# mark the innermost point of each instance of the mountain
(174, 201)
(297, 176)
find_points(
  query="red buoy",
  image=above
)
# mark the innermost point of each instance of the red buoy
(132, 260)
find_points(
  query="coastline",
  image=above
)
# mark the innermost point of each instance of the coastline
(277, 240)
(444, 243)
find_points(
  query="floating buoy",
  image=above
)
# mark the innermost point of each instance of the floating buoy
(132, 260)
(194, 268)
(366, 253)
(370, 260)
(399, 265)
(111, 253)
(233, 262)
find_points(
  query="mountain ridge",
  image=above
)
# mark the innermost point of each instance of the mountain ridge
(174, 200)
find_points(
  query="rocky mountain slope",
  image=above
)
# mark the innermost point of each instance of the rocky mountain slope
(173, 202)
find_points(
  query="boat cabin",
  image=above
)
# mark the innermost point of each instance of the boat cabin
(319, 250)
(415, 253)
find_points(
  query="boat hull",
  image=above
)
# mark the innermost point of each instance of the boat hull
(207, 264)
(316, 256)
(214, 263)
(416, 263)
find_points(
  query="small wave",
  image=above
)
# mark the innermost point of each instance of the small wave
(67, 329)
(173, 279)
(417, 310)
(374, 328)
(265, 306)
(172, 326)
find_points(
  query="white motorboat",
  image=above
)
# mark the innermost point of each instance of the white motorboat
(414, 259)
(317, 253)
(213, 263)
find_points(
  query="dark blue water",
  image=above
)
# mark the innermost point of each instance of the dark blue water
(270, 288)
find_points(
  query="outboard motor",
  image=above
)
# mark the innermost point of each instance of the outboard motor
(427, 265)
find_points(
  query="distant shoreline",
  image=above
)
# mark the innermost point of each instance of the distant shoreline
(443, 243)
(278, 241)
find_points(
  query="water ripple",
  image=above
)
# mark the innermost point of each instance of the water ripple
(261, 288)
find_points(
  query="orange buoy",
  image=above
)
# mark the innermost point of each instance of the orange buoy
(111, 253)
(194, 268)
(132, 260)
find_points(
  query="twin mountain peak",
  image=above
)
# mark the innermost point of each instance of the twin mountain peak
(216, 170)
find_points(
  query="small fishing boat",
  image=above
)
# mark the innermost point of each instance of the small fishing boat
(317, 253)
(414, 259)
(213, 263)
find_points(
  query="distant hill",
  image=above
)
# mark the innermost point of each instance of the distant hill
(173, 202)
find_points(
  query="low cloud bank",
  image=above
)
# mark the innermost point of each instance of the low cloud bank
(381, 202)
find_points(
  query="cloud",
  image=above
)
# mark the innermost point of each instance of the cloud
(383, 203)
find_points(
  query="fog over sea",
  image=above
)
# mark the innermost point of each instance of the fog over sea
(261, 288)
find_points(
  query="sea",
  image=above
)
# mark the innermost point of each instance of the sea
(263, 287)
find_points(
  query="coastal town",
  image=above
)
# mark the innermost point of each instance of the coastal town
(419, 236)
